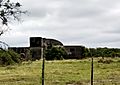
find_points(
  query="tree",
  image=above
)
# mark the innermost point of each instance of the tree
(55, 53)
(8, 10)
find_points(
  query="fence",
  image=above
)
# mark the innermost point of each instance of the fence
(80, 72)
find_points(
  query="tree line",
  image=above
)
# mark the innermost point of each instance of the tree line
(102, 52)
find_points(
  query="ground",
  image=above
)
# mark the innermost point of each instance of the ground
(63, 72)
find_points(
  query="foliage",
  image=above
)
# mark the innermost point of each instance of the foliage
(9, 10)
(102, 52)
(55, 53)
(9, 58)
(105, 61)
(15, 57)
(86, 52)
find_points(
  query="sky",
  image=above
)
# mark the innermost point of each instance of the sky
(91, 23)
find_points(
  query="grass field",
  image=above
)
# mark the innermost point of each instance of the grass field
(63, 72)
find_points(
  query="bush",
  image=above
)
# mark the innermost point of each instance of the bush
(105, 61)
(9, 58)
(5, 59)
(55, 53)
(15, 56)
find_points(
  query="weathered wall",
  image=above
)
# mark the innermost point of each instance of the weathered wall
(74, 52)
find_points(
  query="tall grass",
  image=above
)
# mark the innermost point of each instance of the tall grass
(63, 72)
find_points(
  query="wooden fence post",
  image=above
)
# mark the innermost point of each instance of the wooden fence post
(43, 72)
(92, 71)
(44, 47)
(43, 60)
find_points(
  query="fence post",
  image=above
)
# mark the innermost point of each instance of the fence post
(92, 71)
(43, 61)
(43, 72)
(44, 47)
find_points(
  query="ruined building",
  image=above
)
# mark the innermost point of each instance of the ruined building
(38, 43)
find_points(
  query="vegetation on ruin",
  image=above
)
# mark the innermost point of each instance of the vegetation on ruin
(55, 53)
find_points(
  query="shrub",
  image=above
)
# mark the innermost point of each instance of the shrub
(55, 53)
(5, 59)
(9, 58)
(15, 56)
(105, 61)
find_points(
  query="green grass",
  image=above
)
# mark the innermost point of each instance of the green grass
(63, 72)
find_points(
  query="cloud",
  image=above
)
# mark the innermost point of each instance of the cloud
(92, 23)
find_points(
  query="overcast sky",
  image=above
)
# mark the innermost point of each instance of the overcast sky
(92, 23)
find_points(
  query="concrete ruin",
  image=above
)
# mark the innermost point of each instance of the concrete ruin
(37, 44)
